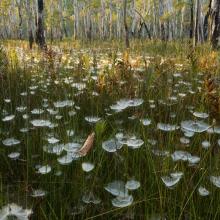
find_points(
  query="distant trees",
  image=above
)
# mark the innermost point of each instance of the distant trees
(108, 19)
(191, 4)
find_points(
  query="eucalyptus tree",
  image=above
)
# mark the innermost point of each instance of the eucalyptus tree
(19, 6)
(30, 23)
(215, 22)
(191, 33)
(4, 15)
(110, 19)
(63, 30)
(127, 43)
(76, 18)
(40, 32)
(207, 22)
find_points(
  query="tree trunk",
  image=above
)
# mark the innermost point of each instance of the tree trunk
(191, 32)
(196, 25)
(110, 20)
(207, 22)
(118, 35)
(162, 23)
(127, 43)
(60, 9)
(103, 17)
(76, 19)
(30, 30)
(182, 22)
(199, 36)
(40, 38)
(215, 23)
(18, 3)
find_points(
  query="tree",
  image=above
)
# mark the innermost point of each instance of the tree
(198, 27)
(206, 23)
(127, 43)
(19, 6)
(40, 37)
(191, 32)
(162, 25)
(30, 26)
(109, 19)
(215, 23)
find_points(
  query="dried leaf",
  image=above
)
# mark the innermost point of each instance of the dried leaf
(87, 145)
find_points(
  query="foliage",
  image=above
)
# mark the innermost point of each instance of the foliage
(146, 71)
(209, 63)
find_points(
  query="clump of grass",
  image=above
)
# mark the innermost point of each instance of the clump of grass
(211, 95)
(3, 60)
(100, 129)
(51, 61)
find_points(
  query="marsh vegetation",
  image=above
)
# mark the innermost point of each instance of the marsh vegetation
(115, 117)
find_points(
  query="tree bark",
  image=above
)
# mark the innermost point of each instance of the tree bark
(18, 3)
(127, 43)
(207, 22)
(76, 19)
(40, 37)
(191, 32)
(182, 22)
(110, 20)
(60, 8)
(30, 30)
(196, 25)
(162, 23)
(215, 23)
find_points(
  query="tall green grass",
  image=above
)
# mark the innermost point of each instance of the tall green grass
(19, 177)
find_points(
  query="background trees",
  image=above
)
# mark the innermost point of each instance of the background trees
(108, 19)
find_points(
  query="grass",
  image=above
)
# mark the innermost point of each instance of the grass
(155, 81)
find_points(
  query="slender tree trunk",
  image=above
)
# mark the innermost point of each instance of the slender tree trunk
(135, 20)
(207, 22)
(162, 25)
(60, 8)
(103, 18)
(118, 35)
(76, 19)
(30, 30)
(196, 24)
(40, 37)
(127, 43)
(110, 20)
(18, 3)
(89, 25)
(182, 23)
(191, 32)
(63, 20)
(215, 23)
